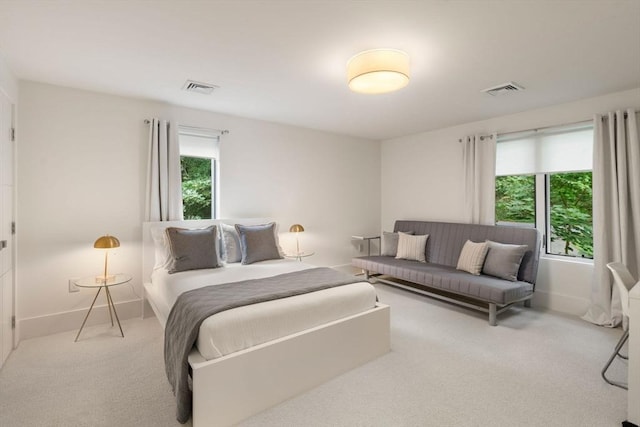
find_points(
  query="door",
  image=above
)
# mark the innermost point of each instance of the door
(6, 228)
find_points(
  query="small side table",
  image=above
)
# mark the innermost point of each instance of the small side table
(368, 239)
(100, 283)
(300, 255)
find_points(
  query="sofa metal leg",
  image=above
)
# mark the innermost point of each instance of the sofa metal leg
(527, 303)
(366, 274)
(492, 314)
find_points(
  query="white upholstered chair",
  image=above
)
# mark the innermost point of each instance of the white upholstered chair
(624, 281)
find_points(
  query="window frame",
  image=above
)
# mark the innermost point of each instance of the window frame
(214, 136)
(542, 190)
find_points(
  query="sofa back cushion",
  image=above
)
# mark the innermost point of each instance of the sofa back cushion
(447, 239)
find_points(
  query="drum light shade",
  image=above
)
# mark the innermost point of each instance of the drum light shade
(378, 71)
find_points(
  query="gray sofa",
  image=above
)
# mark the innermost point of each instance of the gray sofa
(438, 276)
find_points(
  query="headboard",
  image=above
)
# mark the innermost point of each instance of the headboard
(148, 251)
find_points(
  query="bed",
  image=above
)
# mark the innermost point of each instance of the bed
(288, 346)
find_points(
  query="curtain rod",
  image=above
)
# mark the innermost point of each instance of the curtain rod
(194, 128)
(482, 137)
(582, 122)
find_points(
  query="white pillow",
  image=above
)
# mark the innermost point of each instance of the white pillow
(389, 246)
(412, 247)
(472, 257)
(231, 242)
(161, 247)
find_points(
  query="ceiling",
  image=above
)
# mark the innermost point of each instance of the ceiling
(284, 61)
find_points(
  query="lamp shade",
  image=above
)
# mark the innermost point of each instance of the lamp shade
(296, 228)
(106, 242)
(378, 71)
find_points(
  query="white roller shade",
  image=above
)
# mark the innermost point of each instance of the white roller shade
(567, 149)
(199, 142)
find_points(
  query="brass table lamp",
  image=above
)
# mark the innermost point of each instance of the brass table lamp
(106, 242)
(296, 228)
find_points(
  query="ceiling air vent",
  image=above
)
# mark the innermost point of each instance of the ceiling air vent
(199, 87)
(503, 88)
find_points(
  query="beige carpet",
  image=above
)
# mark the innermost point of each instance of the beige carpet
(447, 368)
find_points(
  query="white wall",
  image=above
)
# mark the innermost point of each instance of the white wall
(422, 178)
(82, 164)
(8, 82)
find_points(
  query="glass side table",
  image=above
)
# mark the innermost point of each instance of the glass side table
(368, 239)
(100, 283)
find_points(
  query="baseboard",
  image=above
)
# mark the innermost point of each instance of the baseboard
(563, 303)
(71, 320)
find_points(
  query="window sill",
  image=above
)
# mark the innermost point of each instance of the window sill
(572, 260)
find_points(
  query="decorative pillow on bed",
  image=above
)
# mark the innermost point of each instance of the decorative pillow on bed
(390, 243)
(412, 247)
(230, 247)
(258, 242)
(472, 257)
(162, 252)
(504, 260)
(192, 249)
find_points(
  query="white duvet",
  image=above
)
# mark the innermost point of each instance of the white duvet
(244, 327)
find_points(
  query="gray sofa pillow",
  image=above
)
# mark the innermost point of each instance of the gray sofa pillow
(390, 243)
(258, 242)
(192, 249)
(503, 260)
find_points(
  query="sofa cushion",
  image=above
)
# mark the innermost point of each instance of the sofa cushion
(411, 247)
(472, 257)
(503, 260)
(447, 278)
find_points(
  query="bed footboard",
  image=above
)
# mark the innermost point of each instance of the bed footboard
(234, 387)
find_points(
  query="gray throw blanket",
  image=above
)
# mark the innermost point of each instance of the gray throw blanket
(193, 307)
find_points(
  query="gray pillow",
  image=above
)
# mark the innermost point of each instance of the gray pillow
(192, 249)
(503, 260)
(230, 244)
(258, 242)
(390, 243)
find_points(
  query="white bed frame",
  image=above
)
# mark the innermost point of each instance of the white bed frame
(231, 388)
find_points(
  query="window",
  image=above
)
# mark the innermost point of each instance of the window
(543, 180)
(199, 155)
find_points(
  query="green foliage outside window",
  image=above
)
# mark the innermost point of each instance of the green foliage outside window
(570, 203)
(515, 199)
(571, 212)
(196, 187)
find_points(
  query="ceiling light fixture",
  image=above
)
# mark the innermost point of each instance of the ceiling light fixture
(378, 71)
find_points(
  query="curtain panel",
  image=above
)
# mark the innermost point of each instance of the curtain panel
(479, 157)
(164, 182)
(616, 210)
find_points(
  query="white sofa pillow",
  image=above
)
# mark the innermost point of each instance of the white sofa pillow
(412, 247)
(390, 243)
(472, 257)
